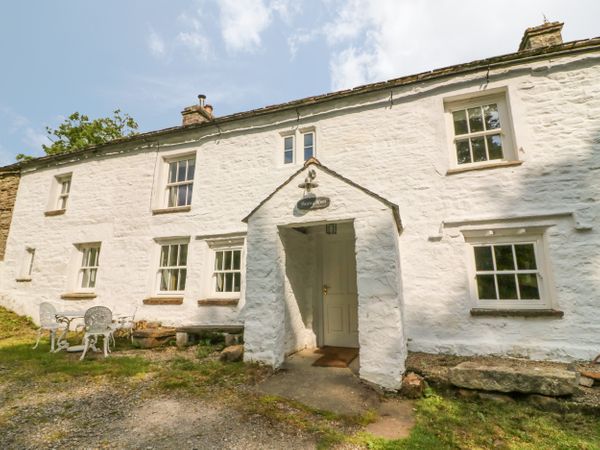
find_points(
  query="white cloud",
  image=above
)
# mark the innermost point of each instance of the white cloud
(156, 44)
(34, 140)
(194, 39)
(243, 22)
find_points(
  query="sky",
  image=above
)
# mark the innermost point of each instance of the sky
(151, 58)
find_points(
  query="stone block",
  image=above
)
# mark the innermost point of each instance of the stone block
(182, 339)
(232, 353)
(153, 337)
(413, 385)
(505, 378)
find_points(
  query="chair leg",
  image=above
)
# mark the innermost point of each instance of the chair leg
(106, 342)
(86, 344)
(39, 336)
(52, 340)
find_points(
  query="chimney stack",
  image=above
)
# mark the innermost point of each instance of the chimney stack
(544, 35)
(197, 113)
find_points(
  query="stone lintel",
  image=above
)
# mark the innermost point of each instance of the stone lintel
(177, 209)
(163, 301)
(55, 212)
(218, 302)
(484, 312)
(78, 296)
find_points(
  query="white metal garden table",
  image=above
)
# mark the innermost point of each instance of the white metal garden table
(67, 317)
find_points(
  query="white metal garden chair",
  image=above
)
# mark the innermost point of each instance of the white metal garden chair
(98, 323)
(49, 323)
(126, 323)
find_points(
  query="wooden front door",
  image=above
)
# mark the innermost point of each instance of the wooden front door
(340, 302)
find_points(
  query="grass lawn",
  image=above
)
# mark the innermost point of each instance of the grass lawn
(29, 377)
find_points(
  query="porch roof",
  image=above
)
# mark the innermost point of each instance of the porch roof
(314, 161)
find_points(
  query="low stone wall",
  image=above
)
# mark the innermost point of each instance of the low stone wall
(9, 183)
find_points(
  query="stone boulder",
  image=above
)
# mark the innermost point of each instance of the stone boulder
(413, 385)
(506, 378)
(153, 337)
(232, 353)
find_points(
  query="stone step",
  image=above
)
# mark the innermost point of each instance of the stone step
(507, 378)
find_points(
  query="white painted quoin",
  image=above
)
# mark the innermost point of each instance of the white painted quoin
(386, 152)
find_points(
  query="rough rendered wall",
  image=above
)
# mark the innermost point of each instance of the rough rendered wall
(400, 150)
(9, 183)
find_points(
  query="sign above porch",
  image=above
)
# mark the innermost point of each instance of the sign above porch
(313, 202)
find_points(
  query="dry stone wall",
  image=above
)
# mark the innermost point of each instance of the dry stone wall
(9, 183)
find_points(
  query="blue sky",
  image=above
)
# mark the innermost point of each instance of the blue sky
(151, 58)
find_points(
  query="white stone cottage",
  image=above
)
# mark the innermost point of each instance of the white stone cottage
(452, 211)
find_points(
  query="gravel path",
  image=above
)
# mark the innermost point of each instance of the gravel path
(130, 417)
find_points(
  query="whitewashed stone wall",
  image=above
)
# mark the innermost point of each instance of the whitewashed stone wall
(400, 150)
(381, 334)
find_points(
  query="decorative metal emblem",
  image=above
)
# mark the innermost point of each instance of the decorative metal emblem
(310, 201)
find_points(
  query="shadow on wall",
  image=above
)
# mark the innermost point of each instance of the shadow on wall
(300, 272)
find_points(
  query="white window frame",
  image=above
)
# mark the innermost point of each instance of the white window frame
(215, 271)
(160, 268)
(167, 185)
(535, 236)
(314, 144)
(298, 148)
(57, 196)
(509, 153)
(84, 266)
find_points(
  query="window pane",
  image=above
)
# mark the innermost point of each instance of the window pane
(528, 285)
(308, 139)
(164, 256)
(85, 278)
(182, 276)
(460, 122)
(228, 282)
(173, 279)
(220, 281)
(483, 258)
(478, 145)
(288, 143)
(164, 280)
(84, 257)
(93, 257)
(172, 196)
(486, 289)
(288, 157)
(525, 257)
(494, 143)
(191, 169)
(172, 172)
(237, 282)
(190, 189)
(507, 287)
(308, 153)
(181, 170)
(504, 257)
(92, 282)
(181, 193)
(173, 255)
(183, 254)
(492, 118)
(62, 203)
(463, 153)
(219, 261)
(227, 265)
(236, 259)
(475, 119)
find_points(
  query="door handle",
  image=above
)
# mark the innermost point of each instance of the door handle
(325, 289)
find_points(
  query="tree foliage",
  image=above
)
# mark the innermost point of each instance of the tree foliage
(78, 132)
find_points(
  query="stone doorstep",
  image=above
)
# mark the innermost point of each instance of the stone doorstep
(546, 381)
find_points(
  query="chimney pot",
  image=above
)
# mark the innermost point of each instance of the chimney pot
(202, 99)
(544, 35)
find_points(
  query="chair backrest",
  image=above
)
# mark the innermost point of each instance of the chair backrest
(97, 319)
(47, 314)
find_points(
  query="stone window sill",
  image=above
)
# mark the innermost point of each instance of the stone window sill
(78, 296)
(23, 279)
(55, 212)
(178, 209)
(494, 165)
(218, 302)
(484, 312)
(163, 301)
